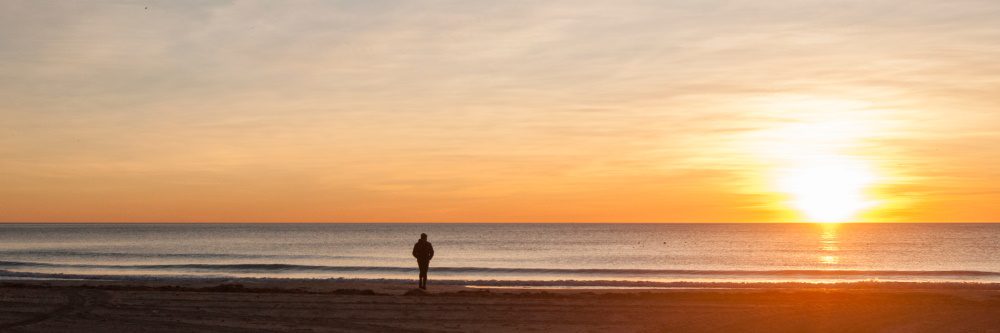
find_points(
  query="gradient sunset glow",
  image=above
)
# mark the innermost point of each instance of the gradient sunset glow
(478, 111)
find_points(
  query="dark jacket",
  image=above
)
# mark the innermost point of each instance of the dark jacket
(423, 250)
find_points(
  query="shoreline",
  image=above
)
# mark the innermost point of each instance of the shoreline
(511, 284)
(980, 280)
(400, 286)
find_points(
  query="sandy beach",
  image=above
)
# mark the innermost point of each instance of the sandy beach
(81, 306)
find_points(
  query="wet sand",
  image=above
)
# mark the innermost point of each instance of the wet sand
(66, 306)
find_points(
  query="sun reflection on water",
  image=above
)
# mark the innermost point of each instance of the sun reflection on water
(829, 244)
(829, 260)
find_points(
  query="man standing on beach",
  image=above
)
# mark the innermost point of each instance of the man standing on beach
(423, 251)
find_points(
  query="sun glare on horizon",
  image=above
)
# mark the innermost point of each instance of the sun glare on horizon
(833, 191)
(815, 156)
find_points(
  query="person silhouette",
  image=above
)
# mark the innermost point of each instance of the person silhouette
(423, 251)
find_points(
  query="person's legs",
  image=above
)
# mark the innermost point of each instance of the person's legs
(423, 273)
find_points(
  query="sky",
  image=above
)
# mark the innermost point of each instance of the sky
(500, 111)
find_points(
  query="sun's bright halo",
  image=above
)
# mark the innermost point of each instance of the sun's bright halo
(818, 156)
(832, 189)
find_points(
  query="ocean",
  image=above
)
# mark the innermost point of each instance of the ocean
(508, 254)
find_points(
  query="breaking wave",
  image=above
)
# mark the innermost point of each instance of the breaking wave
(486, 271)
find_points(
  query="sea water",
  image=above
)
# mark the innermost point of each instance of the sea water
(513, 253)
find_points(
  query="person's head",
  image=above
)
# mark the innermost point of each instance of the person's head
(423, 236)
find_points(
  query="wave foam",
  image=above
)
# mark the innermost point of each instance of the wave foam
(277, 268)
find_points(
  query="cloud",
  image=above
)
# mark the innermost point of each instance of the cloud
(438, 101)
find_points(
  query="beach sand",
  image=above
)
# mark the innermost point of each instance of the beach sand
(90, 306)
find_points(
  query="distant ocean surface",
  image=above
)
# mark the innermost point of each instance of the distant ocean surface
(510, 253)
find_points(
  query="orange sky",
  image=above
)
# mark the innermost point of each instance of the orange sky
(481, 111)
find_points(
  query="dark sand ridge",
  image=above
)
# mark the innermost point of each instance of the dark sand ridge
(80, 306)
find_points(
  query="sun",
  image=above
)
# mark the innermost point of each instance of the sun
(831, 189)
(816, 155)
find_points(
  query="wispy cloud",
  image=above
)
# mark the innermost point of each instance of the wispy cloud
(477, 110)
